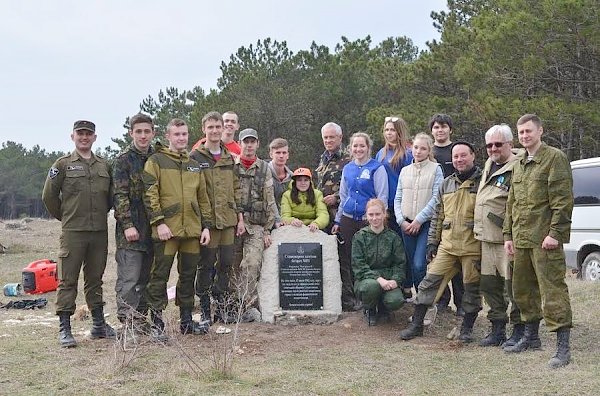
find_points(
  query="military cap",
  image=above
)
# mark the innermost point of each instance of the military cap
(248, 132)
(82, 124)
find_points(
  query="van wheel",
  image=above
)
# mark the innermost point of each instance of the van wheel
(590, 269)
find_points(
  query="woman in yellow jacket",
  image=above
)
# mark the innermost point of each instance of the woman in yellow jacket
(302, 204)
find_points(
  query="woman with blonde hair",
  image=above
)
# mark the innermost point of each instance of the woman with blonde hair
(363, 178)
(394, 155)
(379, 265)
(415, 202)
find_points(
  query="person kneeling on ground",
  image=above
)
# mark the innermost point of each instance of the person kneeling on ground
(379, 265)
(302, 204)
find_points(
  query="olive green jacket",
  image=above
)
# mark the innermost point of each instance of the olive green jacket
(375, 255)
(176, 194)
(540, 201)
(222, 186)
(452, 222)
(78, 192)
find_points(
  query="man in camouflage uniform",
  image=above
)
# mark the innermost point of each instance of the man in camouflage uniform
(329, 177)
(258, 204)
(490, 209)
(452, 245)
(180, 215)
(78, 193)
(223, 189)
(537, 224)
(132, 233)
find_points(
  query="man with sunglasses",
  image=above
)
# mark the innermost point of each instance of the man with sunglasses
(440, 126)
(490, 209)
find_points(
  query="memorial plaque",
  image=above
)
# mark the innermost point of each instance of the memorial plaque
(301, 276)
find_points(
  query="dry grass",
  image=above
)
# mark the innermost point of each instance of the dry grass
(344, 358)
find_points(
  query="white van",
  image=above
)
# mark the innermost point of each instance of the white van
(583, 251)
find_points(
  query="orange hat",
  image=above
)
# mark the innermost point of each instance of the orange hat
(302, 172)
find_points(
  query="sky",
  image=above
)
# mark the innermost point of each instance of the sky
(97, 60)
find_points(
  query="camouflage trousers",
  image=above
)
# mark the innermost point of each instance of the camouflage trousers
(370, 293)
(247, 264)
(539, 287)
(439, 272)
(496, 283)
(216, 261)
(188, 250)
(79, 250)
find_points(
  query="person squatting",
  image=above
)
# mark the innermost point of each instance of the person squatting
(409, 221)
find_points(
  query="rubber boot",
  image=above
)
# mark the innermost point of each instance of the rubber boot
(530, 339)
(225, 312)
(517, 334)
(100, 329)
(497, 336)
(65, 337)
(205, 308)
(189, 326)
(371, 316)
(562, 357)
(415, 328)
(466, 329)
(157, 331)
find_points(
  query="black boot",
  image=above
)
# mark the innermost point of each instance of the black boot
(64, 335)
(415, 328)
(383, 314)
(225, 311)
(157, 331)
(371, 316)
(189, 326)
(530, 339)
(562, 357)
(517, 334)
(100, 329)
(205, 308)
(466, 329)
(497, 336)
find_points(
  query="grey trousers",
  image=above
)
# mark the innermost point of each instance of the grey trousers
(133, 272)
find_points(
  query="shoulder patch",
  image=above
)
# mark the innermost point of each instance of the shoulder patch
(53, 172)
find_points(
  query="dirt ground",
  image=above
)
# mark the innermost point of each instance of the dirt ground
(343, 358)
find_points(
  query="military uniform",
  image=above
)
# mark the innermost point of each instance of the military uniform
(375, 255)
(329, 178)
(175, 196)
(133, 258)
(78, 193)
(490, 208)
(540, 203)
(258, 204)
(451, 231)
(223, 189)
(279, 187)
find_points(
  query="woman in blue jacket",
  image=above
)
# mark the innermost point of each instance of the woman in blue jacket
(363, 178)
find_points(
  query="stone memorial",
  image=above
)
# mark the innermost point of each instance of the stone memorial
(300, 278)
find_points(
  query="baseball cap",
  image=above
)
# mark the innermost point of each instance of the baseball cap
(248, 132)
(302, 172)
(82, 124)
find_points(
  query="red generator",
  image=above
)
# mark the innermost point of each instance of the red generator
(40, 277)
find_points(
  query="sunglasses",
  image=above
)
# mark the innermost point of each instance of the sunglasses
(496, 144)
(391, 119)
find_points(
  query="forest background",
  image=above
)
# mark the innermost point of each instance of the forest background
(494, 61)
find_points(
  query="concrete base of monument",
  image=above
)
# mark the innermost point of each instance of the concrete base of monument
(305, 277)
(305, 317)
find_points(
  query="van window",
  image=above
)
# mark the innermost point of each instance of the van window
(586, 186)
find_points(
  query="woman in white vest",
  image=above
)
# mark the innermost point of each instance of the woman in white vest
(414, 205)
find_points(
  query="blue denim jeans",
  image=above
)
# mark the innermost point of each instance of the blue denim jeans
(416, 250)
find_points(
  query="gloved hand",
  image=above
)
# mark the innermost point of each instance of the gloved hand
(431, 253)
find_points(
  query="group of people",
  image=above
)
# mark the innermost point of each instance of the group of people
(417, 216)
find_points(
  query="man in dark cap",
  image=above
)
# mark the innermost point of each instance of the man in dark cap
(78, 193)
